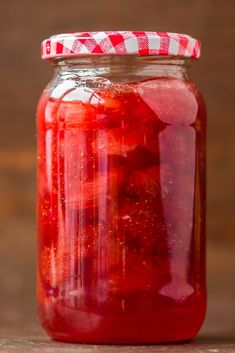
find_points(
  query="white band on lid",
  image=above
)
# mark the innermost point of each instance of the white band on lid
(120, 43)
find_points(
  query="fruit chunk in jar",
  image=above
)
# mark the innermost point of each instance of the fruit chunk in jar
(118, 219)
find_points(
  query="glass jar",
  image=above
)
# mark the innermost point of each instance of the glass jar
(121, 196)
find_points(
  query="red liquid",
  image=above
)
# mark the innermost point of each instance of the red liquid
(121, 213)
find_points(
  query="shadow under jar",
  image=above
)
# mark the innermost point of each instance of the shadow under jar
(121, 193)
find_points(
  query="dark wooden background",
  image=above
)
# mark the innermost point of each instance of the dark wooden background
(23, 24)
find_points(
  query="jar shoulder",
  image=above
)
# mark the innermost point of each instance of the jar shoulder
(173, 100)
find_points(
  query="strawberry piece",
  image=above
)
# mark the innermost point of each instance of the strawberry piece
(54, 267)
(51, 111)
(89, 108)
(115, 142)
(177, 146)
(127, 103)
(77, 114)
(47, 217)
(140, 275)
(178, 289)
(144, 183)
(141, 158)
(115, 102)
(120, 141)
(94, 196)
(142, 227)
(75, 252)
(173, 100)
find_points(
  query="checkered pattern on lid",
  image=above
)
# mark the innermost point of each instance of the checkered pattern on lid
(120, 43)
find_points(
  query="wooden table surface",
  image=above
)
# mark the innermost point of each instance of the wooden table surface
(203, 344)
(40, 343)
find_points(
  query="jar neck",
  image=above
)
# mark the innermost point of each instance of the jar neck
(126, 67)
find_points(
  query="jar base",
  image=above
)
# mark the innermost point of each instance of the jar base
(122, 342)
(158, 328)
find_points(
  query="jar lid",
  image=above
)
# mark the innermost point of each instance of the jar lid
(120, 43)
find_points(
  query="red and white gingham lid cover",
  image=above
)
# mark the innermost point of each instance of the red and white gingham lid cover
(120, 43)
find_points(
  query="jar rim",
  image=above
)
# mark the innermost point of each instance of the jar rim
(120, 43)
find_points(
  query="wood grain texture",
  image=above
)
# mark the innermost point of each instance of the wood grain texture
(25, 345)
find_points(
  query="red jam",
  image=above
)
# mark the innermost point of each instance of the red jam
(121, 213)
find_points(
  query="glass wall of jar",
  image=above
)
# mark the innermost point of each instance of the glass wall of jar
(121, 200)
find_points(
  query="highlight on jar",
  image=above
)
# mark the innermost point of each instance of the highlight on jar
(121, 189)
